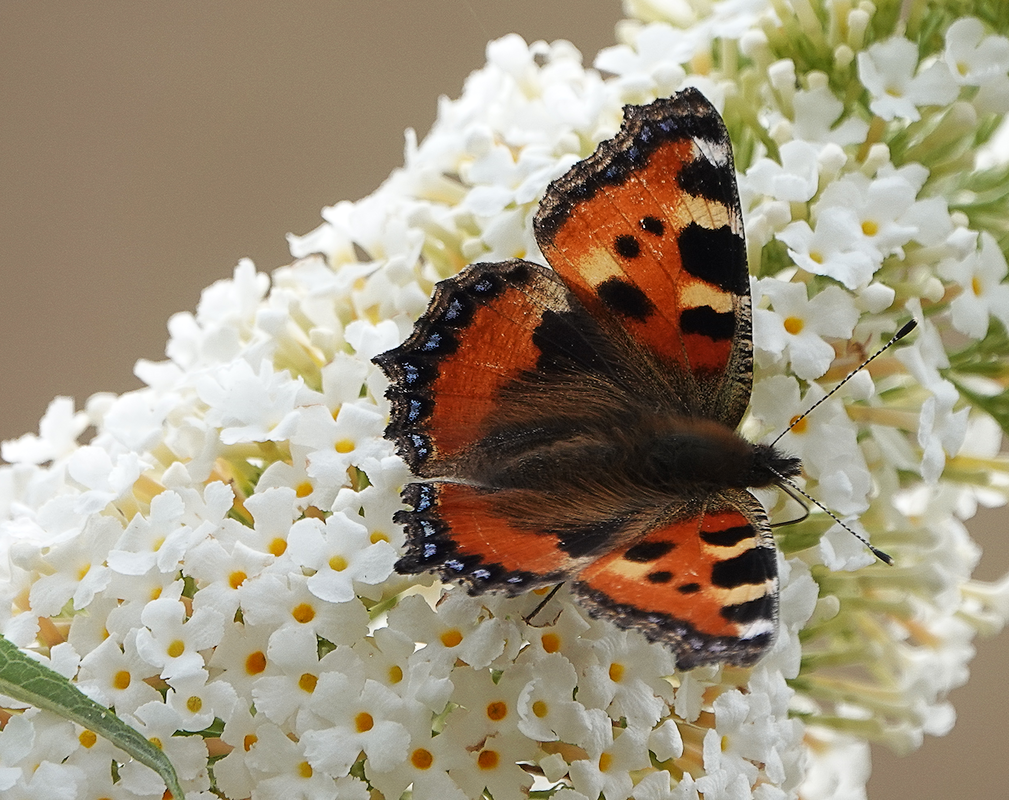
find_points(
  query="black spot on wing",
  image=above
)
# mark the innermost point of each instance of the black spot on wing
(689, 588)
(627, 246)
(714, 256)
(728, 537)
(644, 552)
(660, 577)
(653, 225)
(751, 611)
(704, 320)
(753, 566)
(701, 178)
(625, 299)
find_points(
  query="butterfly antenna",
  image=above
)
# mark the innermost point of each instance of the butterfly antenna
(904, 331)
(786, 482)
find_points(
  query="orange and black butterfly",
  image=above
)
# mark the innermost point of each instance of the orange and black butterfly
(579, 423)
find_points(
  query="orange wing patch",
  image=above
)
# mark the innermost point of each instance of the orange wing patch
(461, 531)
(474, 339)
(707, 584)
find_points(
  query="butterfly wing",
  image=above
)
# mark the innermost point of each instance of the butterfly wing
(647, 232)
(703, 580)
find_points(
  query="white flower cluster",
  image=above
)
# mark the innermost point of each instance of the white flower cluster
(216, 564)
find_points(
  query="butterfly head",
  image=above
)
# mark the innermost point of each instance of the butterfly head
(770, 465)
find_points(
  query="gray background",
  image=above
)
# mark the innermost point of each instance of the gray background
(146, 147)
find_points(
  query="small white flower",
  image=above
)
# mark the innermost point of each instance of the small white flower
(188, 754)
(547, 711)
(173, 643)
(157, 540)
(250, 406)
(198, 702)
(797, 324)
(828, 250)
(341, 553)
(622, 681)
(890, 71)
(794, 179)
(58, 431)
(611, 759)
(978, 60)
(984, 295)
(427, 766)
(281, 771)
(816, 111)
(286, 601)
(361, 715)
(879, 205)
(355, 435)
(115, 675)
(455, 631)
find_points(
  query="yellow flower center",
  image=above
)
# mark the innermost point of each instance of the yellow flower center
(421, 758)
(497, 711)
(794, 325)
(303, 613)
(451, 637)
(364, 722)
(255, 662)
(338, 563)
(307, 682)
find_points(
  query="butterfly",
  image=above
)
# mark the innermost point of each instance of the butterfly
(578, 423)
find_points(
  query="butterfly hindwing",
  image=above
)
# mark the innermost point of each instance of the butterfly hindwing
(647, 232)
(704, 581)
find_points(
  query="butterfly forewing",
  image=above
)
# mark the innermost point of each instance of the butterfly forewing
(647, 232)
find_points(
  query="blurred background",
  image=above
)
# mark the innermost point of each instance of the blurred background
(146, 147)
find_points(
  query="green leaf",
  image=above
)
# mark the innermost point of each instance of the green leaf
(28, 681)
